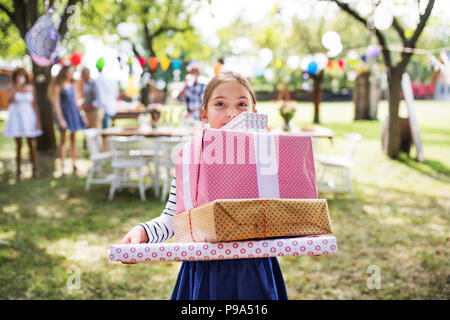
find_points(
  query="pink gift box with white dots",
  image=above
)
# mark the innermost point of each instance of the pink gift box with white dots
(186, 251)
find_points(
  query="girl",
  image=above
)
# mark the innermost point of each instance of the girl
(62, 94)
(23, 120)
(227, 95)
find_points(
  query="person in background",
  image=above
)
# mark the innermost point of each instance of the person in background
(218, 66)
(106, 93)
(23, 120)
(68, 116)
(94, 115)
(192, 91)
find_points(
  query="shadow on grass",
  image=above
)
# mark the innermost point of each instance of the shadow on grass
(431, 168)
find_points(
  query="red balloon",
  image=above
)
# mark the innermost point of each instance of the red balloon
(341, 64)
(75, 59)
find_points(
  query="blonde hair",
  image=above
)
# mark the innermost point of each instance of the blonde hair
(226, 76)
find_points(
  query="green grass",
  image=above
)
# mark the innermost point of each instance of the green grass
(398, 221)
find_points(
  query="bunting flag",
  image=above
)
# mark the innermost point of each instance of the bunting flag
(165, 63)
(153, 63)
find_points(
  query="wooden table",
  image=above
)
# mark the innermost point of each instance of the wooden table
(129, 114)
(149, 133)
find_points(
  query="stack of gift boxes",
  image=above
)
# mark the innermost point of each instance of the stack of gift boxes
(242, 192)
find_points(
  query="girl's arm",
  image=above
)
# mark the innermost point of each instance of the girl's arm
(10, 93)
(34, 104)
(57, 107)
(161, 228)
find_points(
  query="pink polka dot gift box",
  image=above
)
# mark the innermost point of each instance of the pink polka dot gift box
(186, 251)
(227, 164)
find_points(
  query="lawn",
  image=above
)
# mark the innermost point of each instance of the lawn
(51, 229)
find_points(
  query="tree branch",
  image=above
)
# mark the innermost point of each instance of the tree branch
(400, 31)
(63, 25)
(421, 25)
(378, 34)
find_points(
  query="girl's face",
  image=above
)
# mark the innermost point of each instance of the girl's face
(227, 101)
(69, 73)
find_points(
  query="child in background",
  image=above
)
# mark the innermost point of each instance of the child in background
(226, 96)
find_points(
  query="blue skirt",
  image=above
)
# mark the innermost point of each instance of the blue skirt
(234, 279)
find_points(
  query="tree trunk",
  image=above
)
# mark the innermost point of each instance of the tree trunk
(317, 82)
(393, 138)
(361, 95)
(42, 76)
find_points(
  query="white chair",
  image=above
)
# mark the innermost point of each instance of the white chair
(100, 160)
(127, 157)
(166, 145)
(343, 163)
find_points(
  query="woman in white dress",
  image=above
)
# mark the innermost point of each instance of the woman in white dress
(23, 120)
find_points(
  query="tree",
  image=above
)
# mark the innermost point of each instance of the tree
(164, 29)
(22, 14)
(394, 70)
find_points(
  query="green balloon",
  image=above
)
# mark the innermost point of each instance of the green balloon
(100, 63)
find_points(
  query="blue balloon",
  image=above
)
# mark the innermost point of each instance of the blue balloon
(364, 58)
(312, 67)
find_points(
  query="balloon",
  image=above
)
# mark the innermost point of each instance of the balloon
(165, 62)
(141, 61)
(321, 59)
(331, 39)
(153, 63)
(341, 64)
(335, 51)
(268, 74)
(75, 59)
(278, 63)
(176, 64)
(306, 75)
(373, 50)
(119, 59)
(382, 18)
(265, 56)
(313, 67)
(293, 62)
(125, 30)
(305, 62)
(100, 63)
(364, 58)
(258, 70)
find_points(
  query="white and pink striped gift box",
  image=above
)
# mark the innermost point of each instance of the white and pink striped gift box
(248, 121)
(186, 251)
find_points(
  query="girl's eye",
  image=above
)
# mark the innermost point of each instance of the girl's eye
(219, 104)
(242, 104)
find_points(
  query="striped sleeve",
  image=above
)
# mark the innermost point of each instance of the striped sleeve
(161, 228)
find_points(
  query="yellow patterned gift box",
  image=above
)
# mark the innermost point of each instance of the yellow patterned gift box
(232, 220)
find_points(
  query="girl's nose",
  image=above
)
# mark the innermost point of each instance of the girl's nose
(232, 114)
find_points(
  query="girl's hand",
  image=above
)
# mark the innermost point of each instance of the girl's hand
(62, 124)
(135, 235)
